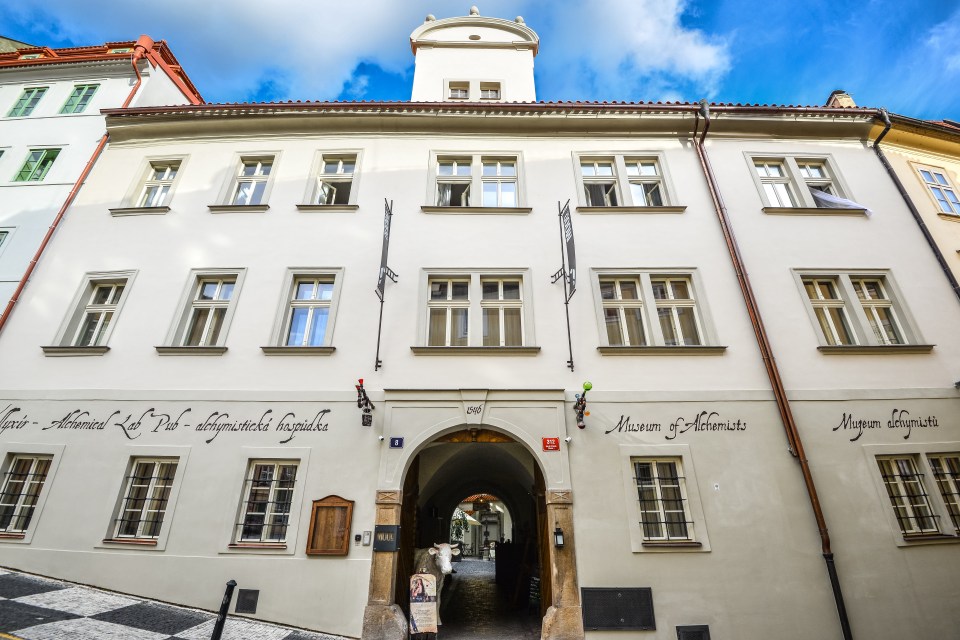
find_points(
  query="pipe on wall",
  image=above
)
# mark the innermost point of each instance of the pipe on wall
(773, 373)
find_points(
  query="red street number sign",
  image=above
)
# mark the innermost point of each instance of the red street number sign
(551, 444)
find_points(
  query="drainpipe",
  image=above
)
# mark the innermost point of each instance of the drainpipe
(780, 394)
(885, 118)
(144, 44)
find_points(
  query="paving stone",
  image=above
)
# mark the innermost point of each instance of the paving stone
(87, 629)
(235, 629)
(17, 615)
(15, 585)
(155, 617)
(79, 600)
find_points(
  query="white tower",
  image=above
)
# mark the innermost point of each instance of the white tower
(474, 59)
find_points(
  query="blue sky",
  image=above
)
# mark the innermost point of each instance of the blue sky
(903, 55)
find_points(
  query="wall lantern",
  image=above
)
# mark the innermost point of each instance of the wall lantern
(580, 406)
(558, 537)
(364, 404)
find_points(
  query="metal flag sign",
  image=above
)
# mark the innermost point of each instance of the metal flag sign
(385, 271)
(567, 225)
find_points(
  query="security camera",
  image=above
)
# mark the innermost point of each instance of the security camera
(567, 439)
(380, 438)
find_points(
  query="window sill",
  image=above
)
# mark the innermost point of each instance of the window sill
(74, 351)
(298, 351)
(814, 211)
(949, 216)
(674, 544)
(12, 536)
(516, 211)
(872, 349)
(330, 208)
(136, 542)
(191, 351)
(280, 546)
(609, 210)
(138, 211)
(693, 350)
(234, 208)
(933, 538)
(475, 351)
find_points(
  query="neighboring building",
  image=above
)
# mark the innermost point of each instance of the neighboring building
(179, 403)
(51, 128)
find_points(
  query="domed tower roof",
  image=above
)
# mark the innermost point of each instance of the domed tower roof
(474, 58)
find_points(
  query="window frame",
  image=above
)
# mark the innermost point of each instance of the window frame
(451, 86)
(314, 188)
(230, 190)
(798, 186)
(860, 327)
(698, 539)
(490, 86)
(31, 176)
(948, 527)
(234, 508)
(622, 180)
(655, 340)
(131, 203)
(29, 104)
(83, 99)
(143, 510)
(293, 275)
(8, 452)
(949, 186)
(65, 341)
(474, 179)
(177, 334)
(474, 306)
(6, 237)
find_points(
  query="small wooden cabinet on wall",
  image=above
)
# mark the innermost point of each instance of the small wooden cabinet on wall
(330, 520)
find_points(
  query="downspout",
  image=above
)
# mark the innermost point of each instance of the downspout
(885, 118)
(142, 46)
(766, 351)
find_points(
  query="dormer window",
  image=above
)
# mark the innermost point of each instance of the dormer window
(490, 90)
(121, 50)
(31, 56)
(459, 90)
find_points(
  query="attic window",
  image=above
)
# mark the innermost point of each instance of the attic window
(490, 90)
(31, 56)
(121, 50)
(459, 90)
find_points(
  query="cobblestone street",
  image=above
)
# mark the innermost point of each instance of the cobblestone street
(33, 608)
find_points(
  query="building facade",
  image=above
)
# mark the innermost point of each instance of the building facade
(244, 380)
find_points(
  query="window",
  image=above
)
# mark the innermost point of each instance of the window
(156, 188)
(251, 183)
(86, 330)
(37, 165)
(480, 182)
(205, 312)
(943, 192)
(145, 498)
(853, 309)
(448, 311)
(648, 310)
(3, 237)
(459, 90)
(22, 484)
(79, 98)
(800, 183)
(502, 313)
(635, 181)
(471, 311)
(99, 312)
(662, 495)
(27, 102)
(946, 473)
(267, 497)
(917, 511)
(310, 312)
(489, 90)
(335, 182)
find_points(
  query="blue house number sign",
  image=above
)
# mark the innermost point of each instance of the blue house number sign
(396, 443)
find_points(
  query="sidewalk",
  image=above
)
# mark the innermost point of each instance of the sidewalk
(33, 608)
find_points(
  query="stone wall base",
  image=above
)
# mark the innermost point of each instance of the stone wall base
(562, 623)
(386, 622)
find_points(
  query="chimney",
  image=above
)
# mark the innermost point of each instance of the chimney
(840, 98)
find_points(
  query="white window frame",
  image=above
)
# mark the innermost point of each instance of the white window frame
(162, 176)
(947, 527)
(457, 90)
(232, 185)
(474, 180)
(235, 508)
(134, 201)
(8, 452)
(490, 90)
(474, 306)
(149, 503)
(6, 238)
(315, 190)
(649, 305)
(501, 305)
(697, 539)
(65, 342)
(798, 181)
(22, 509)
(178, 333)
(628, 168)
(279, 335)
(940, 180)
(860, 313)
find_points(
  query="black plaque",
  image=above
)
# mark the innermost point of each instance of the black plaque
(693, 632)
(366, 419)
(611, 608)
(247, 600)
(386, 537)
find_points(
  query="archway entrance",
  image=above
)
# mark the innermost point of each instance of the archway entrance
(489, 489)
